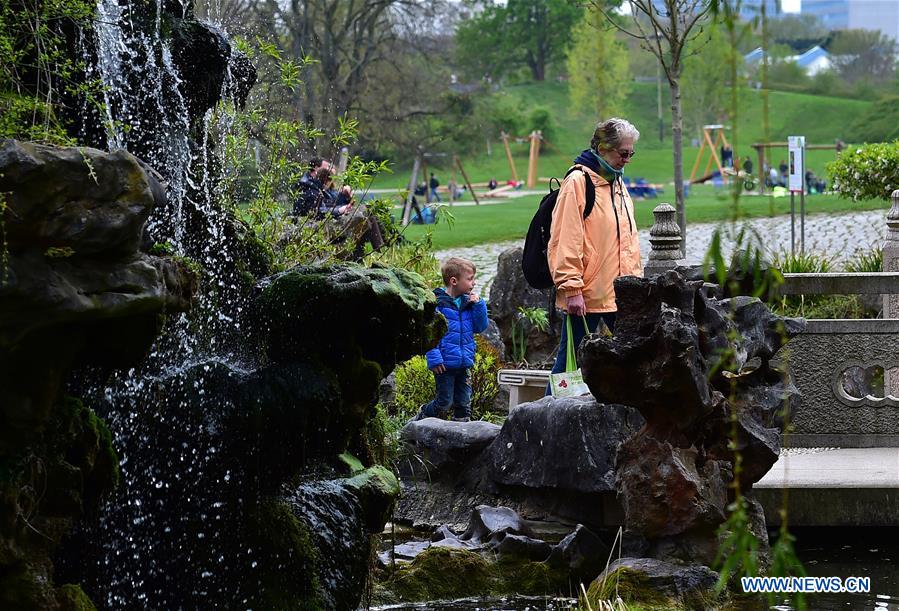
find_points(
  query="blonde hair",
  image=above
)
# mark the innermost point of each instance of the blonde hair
(454, 267)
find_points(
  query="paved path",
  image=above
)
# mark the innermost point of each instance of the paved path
(838, 236)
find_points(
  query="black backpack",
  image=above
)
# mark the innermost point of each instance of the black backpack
(533, 259)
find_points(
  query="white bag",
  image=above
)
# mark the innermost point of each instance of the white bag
(569, 383)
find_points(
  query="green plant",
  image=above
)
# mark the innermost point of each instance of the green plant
(39, 73)
(484, 384)
(866, 261)
(819, 306)
(414, 387)
(866, 172)
(526, 319)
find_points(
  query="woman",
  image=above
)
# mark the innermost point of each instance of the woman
(585, 255)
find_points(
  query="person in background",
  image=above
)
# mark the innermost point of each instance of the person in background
(451, 361)
(433, 184)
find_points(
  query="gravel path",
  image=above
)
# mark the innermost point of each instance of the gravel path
(838, 236)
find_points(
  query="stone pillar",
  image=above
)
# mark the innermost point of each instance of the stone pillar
(891, 302)
(665, 239)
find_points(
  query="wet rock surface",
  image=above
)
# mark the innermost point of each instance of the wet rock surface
(75, 292)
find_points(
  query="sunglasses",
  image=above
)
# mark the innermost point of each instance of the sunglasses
(626, 154)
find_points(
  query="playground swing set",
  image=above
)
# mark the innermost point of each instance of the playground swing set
(420, 165)
(713, 138)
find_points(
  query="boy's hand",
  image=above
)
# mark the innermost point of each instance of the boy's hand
(474, 297)
(439, 368)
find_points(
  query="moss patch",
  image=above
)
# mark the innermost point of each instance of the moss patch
(634, 589)
(73, 598)
(287, 560)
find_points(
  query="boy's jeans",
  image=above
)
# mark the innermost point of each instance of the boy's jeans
(453, 390)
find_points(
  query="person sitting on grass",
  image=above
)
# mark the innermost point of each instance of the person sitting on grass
(451, 361)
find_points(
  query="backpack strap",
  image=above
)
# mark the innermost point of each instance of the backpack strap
(591, 190)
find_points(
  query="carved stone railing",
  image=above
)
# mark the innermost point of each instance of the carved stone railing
(835, 361)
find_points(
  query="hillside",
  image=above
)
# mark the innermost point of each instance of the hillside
(821, 119)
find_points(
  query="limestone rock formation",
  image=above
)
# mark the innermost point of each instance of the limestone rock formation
(75, 292)
(696, 365)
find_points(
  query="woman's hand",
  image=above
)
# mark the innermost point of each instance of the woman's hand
(576, 305)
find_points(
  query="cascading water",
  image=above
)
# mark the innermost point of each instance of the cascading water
(162, 541)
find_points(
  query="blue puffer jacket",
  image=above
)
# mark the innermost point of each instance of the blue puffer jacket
(456, 349)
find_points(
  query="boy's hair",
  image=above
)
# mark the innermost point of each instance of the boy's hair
(454, 267)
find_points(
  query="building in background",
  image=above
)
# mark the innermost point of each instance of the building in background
(880, 15)
(834, 14)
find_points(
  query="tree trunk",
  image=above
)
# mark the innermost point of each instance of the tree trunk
(677, 128)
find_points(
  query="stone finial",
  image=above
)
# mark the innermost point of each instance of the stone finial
(893, 217)
(665, 238)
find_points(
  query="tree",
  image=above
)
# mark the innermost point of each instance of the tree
(523, 33)
(797, 27)
(704, 82)
(860, 54)
(670, 30)
(598, 67)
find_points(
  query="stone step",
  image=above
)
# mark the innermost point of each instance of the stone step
(833, 487)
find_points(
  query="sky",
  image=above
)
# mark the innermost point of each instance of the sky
(789, 6)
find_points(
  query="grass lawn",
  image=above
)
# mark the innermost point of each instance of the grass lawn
(509, 220)
(821, 119)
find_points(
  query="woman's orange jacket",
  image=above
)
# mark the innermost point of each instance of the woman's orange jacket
(586, 255)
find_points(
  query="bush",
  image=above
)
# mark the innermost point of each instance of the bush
(484, 385)
(866, 172)
(540, 118)
(414, 386)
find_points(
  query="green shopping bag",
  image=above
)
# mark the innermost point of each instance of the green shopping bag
(569, 383)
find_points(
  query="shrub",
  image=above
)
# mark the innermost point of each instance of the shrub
(484, 385)
(414, 386)
(540, 118)
(866, 172)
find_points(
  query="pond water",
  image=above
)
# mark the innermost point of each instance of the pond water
(825, 552)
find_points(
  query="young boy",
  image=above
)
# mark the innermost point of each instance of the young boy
(466, 314)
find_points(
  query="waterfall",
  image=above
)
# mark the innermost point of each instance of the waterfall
(161, 521)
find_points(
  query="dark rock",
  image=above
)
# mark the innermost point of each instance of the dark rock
(684, 494)
(509, 292)
(522, 547)
(442, 443)
(487, 522)
(582, 553)
(666, 578)
(387, 389)
(443, 532)
(74, 293)
(561, 444)
(494, 338)
(53, 201)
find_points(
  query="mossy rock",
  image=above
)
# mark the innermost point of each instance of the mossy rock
(344, 312)
(287, 560)
(635, 589)
(73, 598)
(376, 488)
(442, 573)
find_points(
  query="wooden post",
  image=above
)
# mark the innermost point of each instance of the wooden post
(533, 156)
(474, 195)
(424, 175)
(698, 159)
(413, 182)
(763, 173)
(505, 138)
